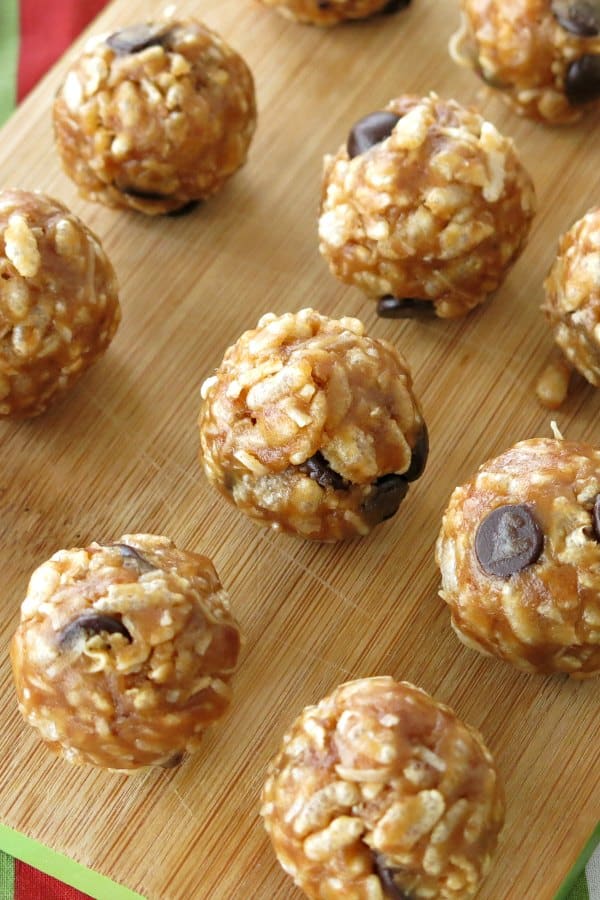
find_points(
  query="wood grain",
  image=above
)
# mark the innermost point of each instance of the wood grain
(120, 454)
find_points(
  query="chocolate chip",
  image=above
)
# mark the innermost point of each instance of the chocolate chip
(184, 210)
(173, 761)
(596, 517)
(508, 540)
(387, 493)
(370, 130)
(139, 194)
(582, 84)
(323, 4)
(137, 38)
(320, 471)
(580, 17)
(420, 452)
(131, 553)
(386, 876)
(90, 624)
(394, 6)
(389, 307)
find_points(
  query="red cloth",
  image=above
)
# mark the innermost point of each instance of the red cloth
(46, 30)
(33, 885)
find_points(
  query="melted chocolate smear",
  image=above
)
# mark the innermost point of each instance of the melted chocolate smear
(596, 518)
(370, 130)
(394, 6)
(386, 877)
(582, 84)
(137, 38)
(386, 495)
(508, 540)
(131, 553)
(90, 624)
(420, 452)
(320, 471)
(390, 307)
(580, 17)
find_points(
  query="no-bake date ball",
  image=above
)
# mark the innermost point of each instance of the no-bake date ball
(425, 208)
(124, 653)
(380, 792)
(59, 305)
(572, 303)
(543, 55)
(155, 117)
(311, 426)
(519, 553)
(332, 12)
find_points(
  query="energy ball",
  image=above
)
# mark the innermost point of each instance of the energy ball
(425, 208)
(59, 304)
(124, 652)
(311, 426)
(379, 791)
(573, 296)
(332, 12)
(543, 55)
(519, 553)
(155, 117)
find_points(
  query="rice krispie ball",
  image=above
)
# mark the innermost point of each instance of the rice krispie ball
(155, 117)
(331, 12)
(59, 304)
(311, 426)
(425, 208)
(543, 55)
(519, 553)
(380, 791)
(572, 303)
(124, 652)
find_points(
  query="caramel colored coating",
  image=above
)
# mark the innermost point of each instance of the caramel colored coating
(303, 418)
(124, 652)
(546, 617)
(331, 12)
(158, 127)
(438, 211)
(521, 48)
(379, 791)
(59, 305)
(572, 303)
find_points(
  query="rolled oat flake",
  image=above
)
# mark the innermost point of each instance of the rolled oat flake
(508, 540)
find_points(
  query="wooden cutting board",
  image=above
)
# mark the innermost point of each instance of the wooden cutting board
(120, 455)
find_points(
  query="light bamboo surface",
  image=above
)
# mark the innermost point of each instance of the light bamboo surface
(120, 455)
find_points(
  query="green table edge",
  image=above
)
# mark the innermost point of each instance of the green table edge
(578, 868)
(62, 867)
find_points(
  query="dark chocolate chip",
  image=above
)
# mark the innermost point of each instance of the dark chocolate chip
(582, 84)
(386, 876)
(596, 518)
(387, 493)
(173, 761)
(389, 307)
(580, 17)
(420, 452)
(184, 210)
(90, 624)
(394, 6)
(323, 4)
(139, 194)
(320, 471)
(370, 130)
(131, 553)
(508, 540)
(137, 38)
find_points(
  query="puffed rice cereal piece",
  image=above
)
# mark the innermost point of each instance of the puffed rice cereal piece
(332, 12)
(542, 55)
(311, 426)
(572, 304)
(425, 208)
(519, 554)
(155, 117)
(124, 653)
(59, 304)
(379, 791)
